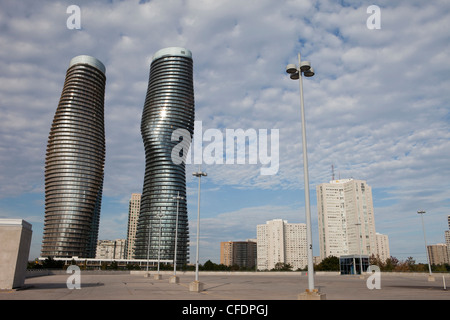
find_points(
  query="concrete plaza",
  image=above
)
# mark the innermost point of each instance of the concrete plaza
(227, 286)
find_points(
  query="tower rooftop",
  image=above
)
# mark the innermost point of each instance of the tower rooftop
(172, 51)
(84, 59)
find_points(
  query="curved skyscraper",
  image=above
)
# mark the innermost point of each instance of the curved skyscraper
(74, 163)
(169, 105)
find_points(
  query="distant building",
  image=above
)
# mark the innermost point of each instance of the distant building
(240, 253)
(133, 217)
(438, 253)
(110, 249)
(280, 241)
(447, 237)
(317, 260)
(352, 264)
(383, 251)
(346, 218)
(447, 242)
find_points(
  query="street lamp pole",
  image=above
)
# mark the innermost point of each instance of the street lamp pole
(148, 247)
(178, 198)
(160, 215)
(199, 175)
(305, 68)
(422, 212)
(360, 247)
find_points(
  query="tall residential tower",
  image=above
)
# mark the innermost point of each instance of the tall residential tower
(169, 105)
(346, 219)
(74, 164)
(134, 208)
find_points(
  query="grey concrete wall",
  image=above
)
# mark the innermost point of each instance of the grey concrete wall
(15, 241)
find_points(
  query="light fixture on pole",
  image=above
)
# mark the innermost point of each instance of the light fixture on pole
(174, 278)
(430, 276)
(196, 285)
(159, 215)
(360, 247)
(148, 250)
(304, 68)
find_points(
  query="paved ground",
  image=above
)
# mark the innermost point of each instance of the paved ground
(255, 286)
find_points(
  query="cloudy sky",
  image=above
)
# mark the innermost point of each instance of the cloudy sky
(377, 108)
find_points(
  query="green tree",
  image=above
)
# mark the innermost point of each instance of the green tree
(281, 266)
(390, 264)
(34, 264)
(209, 265)
(51, 263)
(330, 263)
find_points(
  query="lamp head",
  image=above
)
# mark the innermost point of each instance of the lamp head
(305, 66)
(291, 68)
(309, 73)
(295, 76)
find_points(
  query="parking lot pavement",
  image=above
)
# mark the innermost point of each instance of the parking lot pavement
(227, 286)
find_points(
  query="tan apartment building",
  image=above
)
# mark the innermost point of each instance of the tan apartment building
(134, 208)
(240, 253)
(438, 253)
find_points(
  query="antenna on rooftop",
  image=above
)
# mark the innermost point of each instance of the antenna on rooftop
(332, 172)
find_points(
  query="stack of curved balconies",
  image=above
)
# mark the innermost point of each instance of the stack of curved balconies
(74, 165)
(169, 105)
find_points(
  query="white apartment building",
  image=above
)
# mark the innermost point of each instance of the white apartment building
(447, 242)
(134, 208)
(383, 247)
(280, 241)
(345, 218)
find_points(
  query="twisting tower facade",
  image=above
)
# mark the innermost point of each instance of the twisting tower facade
(169, 105)
(74, 165)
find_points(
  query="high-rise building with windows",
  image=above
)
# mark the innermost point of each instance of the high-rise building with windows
(447, 237)
(447, 242)
(281, 242)
(438, 253)
(134, 207)
(74, 164)
(238, 253)
(169, 106)
(383, 251)
(346, 218)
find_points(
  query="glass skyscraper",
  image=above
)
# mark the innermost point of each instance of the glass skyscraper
(169, 105)
(74, 164)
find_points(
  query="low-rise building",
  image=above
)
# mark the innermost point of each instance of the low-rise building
(111, 249)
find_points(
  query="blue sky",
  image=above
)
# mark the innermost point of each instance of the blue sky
(377, 108)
